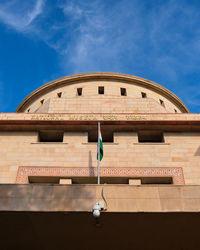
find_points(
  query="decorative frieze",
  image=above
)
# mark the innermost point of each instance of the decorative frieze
(175, 172)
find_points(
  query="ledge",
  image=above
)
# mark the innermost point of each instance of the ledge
(57, 143)
(104, 143)
(151, 143)
(120, 198)
(16, 119)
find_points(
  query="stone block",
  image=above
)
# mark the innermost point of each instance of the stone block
(134, 181)
(65, 181)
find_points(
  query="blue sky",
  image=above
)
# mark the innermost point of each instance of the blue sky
(42, 40)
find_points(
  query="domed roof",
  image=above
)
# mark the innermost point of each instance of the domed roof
(123, 93)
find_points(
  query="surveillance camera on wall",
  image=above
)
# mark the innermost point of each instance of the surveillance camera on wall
(97, 208)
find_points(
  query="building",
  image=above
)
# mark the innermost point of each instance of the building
(151, 164)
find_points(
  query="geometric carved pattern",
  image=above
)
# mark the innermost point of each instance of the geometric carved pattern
(175, 172)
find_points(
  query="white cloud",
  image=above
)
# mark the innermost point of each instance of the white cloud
(129, 35)
(71, 9)
(100, 36)
(160, 43)
(157, 41)
(93, 35)
(18, 18)
(37, 10)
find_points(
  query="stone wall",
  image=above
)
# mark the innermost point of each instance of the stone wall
(120, 198)
(110, 102)
(21, 148)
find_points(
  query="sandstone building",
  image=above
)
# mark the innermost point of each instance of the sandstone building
(151, 167)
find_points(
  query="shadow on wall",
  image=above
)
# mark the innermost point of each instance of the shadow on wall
(197, 153)
(47, 197)
(90, 165)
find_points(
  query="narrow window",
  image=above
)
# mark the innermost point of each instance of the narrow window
(157, 180)
(79, 91)
(175, 110)
(150, 136)
(162, 103)
(59, 94)
(107, 136)
(123, 91)
(144, 95)
(101, 90)
(28, 110)
(43, 179)
(151, 180)
(42, 101)
(92, 136)
(93, 180)
(51, 136)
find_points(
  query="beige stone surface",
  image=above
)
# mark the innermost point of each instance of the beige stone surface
(123, 116)
(120, 198)
(110, 101)
(56, 106)
(21, 148)
(7, 118)
(134, 181)
(65, 181)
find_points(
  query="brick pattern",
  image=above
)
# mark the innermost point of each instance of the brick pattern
(24, 172)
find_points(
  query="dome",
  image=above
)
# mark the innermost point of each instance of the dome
(102, 93)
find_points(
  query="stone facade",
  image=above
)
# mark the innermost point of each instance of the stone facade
(109, 102)
(122, 94)
(58, 107)
(48, 167)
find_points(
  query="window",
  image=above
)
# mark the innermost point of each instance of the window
(49, 180)
(79, 91)
(144, 95)
(123, 91)
(43, 180)
(175, 110)
(42, 101)
(150, 136)
(101, 90)
(93, 180)
(157, 180)
(162, 103)
(59, 94)
(107, 135)
(150, 180)
(28, 110)
(51, 136)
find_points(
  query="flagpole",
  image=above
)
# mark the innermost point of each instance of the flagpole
(98, 170)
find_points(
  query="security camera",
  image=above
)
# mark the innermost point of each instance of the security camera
(96, 213)
(96, 210)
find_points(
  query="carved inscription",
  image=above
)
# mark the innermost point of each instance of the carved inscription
(107, 117)
(47, 117)
(83, 117)
(74, 117)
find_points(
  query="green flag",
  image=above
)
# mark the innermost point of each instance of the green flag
(100, 144)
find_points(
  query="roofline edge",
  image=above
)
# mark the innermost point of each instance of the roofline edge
(109, 75)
